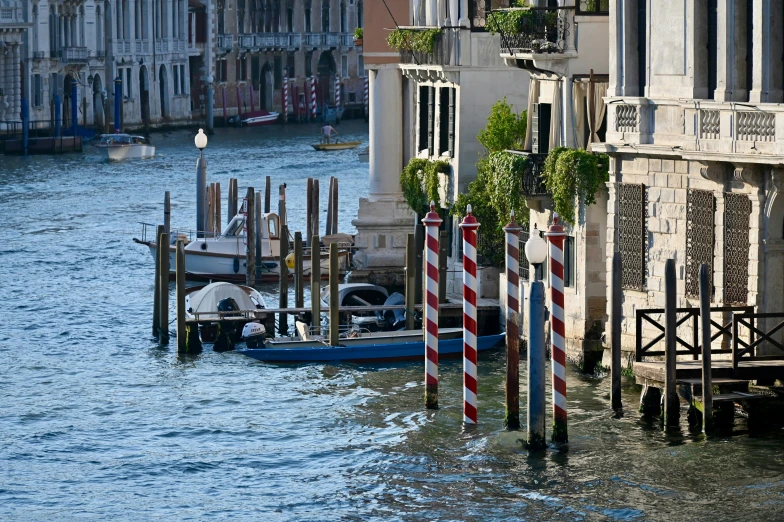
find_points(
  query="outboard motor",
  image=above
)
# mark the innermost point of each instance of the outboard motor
(224, 339)
(253, 334)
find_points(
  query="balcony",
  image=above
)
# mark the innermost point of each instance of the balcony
(142, 48)
(246, 42)
(122, 47)
(161, 46)
(445, 50)
(224, 42)
(39, 55)
(534, 30)
(346, 40)
(74, 55)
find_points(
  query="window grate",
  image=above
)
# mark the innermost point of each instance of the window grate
(700, 209)
(633, 234)
(737, 212)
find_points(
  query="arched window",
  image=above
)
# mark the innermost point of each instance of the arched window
(360, 14)
(325, 16)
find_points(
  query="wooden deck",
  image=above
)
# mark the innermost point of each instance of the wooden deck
(652, 372)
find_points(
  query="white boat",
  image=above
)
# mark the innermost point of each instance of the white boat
(255, 119)
(116, 147)
(216, 303)
(222, 258)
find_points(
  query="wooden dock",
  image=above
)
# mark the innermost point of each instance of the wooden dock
(651, 373)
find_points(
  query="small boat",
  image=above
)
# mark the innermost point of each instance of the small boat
(222, 258)
(364, 294)
(367, 347)
(254, 118)
(364, 155)
(344, 145)
(232, 306)
(116, 147)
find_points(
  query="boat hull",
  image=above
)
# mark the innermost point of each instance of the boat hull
(414, 350)
(119, 153)
(336, 146)
(251, 120)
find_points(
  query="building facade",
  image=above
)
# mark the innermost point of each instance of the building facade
(261, 45)
(695, 136)
(13, 27)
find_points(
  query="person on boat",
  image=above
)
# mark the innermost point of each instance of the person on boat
(327, 131)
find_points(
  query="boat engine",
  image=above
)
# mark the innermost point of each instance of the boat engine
(253, 334)
(224, 339)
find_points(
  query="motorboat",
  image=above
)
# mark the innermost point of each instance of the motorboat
(338, 145)
(255, 118)
(116, 147)
(366, 294)
(223, 310)
(364, 155)
(223, 257)
(374, 347)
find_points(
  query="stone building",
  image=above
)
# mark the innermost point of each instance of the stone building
(565, 49)
(695, 136)
(435, 110)
(260, 44)
(13, 27)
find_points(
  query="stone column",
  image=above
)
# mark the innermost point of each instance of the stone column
(761, 24)
(386, 132)
(3, 85)
(17, 93)
(624, 62)
(731, 38)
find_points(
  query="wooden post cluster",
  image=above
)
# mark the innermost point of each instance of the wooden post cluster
(315, 284)
(512, 418)
(469, 227)
(250, 222)
(411, 279)
(283, 283)
(616, 315)
(431, 222)
(671, 402)
(334, 301)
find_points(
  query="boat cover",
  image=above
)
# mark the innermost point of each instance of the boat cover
(207, 299)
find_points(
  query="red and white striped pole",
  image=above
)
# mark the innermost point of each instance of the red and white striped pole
(512, 418)
(313, 97)
(337, 91)
(285, 103)
(431, 221)
(469, 227)
(555, 235)
(367, 96)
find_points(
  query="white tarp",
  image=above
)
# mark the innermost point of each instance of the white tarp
(207, 299)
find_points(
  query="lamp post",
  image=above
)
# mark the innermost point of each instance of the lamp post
(201, 183)
(536, 253)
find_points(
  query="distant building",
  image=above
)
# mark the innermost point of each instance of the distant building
(13, 26)
(260, 45)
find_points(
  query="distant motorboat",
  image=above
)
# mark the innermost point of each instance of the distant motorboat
(255, 118)
(116, 147)
(364, 155)
(336, 146)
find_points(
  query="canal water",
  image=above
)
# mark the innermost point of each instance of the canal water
(100, 422)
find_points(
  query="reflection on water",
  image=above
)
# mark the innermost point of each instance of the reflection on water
(100, 422)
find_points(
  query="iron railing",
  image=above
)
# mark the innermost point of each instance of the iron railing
(74, 55)
(224, 41)
(539, 30)
(445, 50)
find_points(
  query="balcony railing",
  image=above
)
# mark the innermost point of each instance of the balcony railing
(100, 54)
(445, 50)
(531, 180)
(593, 7)
(535, 30)
(347, 40)
(74, 55)
(122, 46)
(162, 46)
(39, 55)
(142, 47)
(225, 42)
(247, 41)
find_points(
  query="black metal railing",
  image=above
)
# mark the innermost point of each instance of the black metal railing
(537, 29)
(593, 7)
(445, 50)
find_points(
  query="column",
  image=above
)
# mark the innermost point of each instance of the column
(761, 24)
(3, 86)
(132, 23)
(568, 108)
(624, 58)
(17, 95)
(386, 132)
(731, 37)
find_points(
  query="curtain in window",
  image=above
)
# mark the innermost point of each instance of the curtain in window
(555, 118)
(580, 93)
(533, 97)
(599, 108)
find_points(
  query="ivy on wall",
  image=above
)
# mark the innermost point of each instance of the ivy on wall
(414, 40)
(573, 176)
(419, 182)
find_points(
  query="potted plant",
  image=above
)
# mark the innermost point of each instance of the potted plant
(358, 33)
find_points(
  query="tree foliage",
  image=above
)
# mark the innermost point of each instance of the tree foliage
(574, 175)
(415, 40)
(505, 129)
(419, 182)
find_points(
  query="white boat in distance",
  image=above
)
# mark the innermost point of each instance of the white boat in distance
(116, 147)
(223, 258)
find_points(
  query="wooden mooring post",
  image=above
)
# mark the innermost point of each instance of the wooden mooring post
(309, 210)
(267, 189)
(218, 202)
(616, 315)
(282, 205)
(163, 294)
(182, 345)
(672, 403)
(335, 205)
(250, 221)
(283, 285)
(328, 227)
(259, 223)
(314, 205)
(334, 302)
(411, 278)
(705, 330)
(299, 280)
(167, 212)
(315, 284)
(156, 313)
(232, 204)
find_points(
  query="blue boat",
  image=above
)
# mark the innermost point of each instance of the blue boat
(384, 350)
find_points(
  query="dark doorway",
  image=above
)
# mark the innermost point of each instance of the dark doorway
(144, 94)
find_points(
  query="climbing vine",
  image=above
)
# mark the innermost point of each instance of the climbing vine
(419, 182)
(514, 21)
(574, 174)
(415, 40)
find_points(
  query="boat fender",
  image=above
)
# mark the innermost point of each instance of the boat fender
(290, 261)
(204, 245)
(236, 265)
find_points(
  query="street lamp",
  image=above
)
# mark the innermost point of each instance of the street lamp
(201, 184)
(201, 141)
(536, 252)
